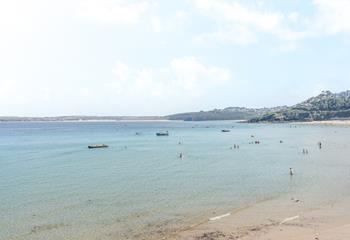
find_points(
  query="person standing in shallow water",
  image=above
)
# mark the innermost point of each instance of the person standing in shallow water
(291, 172)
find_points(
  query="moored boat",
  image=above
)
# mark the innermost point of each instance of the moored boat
(98, 146)
(162, 133)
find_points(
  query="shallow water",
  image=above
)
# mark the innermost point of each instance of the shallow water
(53, 187)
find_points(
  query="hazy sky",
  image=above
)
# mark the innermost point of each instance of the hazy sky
(149, 57)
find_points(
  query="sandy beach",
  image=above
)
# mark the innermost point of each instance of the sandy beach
(327, 122)
(287, 218)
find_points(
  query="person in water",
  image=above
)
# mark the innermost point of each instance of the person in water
(291, 172)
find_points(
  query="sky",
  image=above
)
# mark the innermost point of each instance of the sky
(157, 57)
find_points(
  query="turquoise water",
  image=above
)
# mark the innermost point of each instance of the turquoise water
(53, 187)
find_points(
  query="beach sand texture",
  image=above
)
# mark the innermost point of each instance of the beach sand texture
(328, 122)
(287, 219)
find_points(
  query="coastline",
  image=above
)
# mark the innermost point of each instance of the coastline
(276, 219)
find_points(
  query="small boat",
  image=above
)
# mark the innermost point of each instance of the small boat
(225, 130)
(162, 133)
(98, 146)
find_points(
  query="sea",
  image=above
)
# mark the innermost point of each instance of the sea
(52, 186)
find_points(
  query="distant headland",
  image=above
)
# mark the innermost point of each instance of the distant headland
(325, 106)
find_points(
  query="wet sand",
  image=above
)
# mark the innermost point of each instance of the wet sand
(277, 219)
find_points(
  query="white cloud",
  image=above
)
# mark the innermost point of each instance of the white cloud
(237, 13)
(131, 13)
(243, 24)
(333, 16)
(236, 34)
(186, 77)
(114, 11)
(240, 23)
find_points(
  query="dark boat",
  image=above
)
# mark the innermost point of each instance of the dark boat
(98, 146)
(225, 130)
(162, 133)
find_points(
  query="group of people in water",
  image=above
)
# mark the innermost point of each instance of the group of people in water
(235, 146)
(255, 142)
(305, 151)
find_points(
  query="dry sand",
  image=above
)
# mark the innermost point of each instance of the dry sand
(327, 122)
(279, 219)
